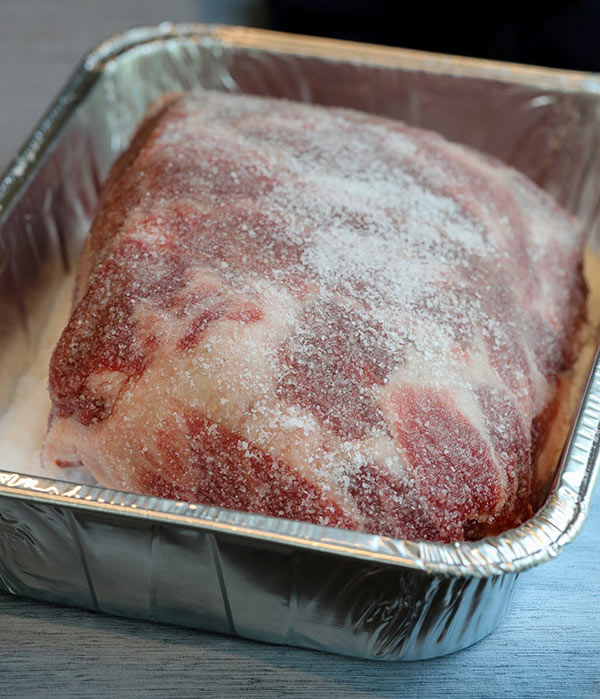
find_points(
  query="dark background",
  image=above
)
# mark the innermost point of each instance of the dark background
(557, 34)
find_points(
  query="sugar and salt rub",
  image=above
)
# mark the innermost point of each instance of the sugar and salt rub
(322, 315)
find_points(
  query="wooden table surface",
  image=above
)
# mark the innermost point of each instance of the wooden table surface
(547, 646)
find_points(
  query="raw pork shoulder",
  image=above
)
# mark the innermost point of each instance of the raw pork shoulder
(318, 314)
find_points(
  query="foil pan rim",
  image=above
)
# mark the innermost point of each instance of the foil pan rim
(359, 52)
(537, 540)
(28, 158)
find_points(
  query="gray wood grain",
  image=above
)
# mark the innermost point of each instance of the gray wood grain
(548, 645)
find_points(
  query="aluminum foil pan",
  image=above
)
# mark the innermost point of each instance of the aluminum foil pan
(259, 577)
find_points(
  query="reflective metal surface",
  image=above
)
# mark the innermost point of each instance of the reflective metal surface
(259, 577)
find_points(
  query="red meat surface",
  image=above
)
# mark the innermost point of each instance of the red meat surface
(318, 314)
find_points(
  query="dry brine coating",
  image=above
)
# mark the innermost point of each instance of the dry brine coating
(322, 315)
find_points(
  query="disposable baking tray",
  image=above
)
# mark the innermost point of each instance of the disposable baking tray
(260, 577)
